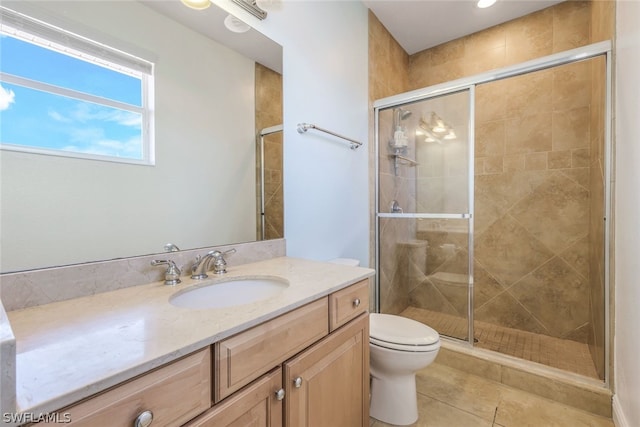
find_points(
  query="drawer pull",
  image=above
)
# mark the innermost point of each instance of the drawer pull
(280, 394)
(297, 382)
(356, 302)
(144, 419)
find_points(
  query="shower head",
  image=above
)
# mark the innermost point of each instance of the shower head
(404, 114)
(400, 114)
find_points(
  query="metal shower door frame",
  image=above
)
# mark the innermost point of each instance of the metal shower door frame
(591, 51)
(470, 88)
(260, 139)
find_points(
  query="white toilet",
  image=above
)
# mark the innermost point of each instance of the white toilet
(399, 347)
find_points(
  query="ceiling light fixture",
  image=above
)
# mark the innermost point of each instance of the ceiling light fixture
(483, 4)
(269, 5)
(197, 4)
(249, 6)
(436, 129)
(234, 24)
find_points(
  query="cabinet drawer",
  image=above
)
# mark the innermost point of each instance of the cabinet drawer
(244, 357)
(174, 393)
(348, 303)
(255, 405)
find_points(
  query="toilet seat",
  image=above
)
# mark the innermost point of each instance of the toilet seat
(399, 333)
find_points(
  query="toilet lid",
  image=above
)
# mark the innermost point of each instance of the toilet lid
(400, 330)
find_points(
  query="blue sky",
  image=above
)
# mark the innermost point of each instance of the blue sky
(40, 119)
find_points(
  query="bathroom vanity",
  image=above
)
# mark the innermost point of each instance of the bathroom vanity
(131, 358)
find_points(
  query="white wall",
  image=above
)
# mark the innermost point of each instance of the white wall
(627, 206)
(325, 83)
(201, 192)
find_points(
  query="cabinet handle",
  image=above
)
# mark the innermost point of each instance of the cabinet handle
(356, 302)
(144, 419)
(297, 382)
(280, 394)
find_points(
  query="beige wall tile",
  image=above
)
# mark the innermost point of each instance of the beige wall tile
(572, 86)
(529, 37)
(490, 103)
(480, 61)
(580, 158)
(486, 40)
(571, 25)
(514, 162)
(447, 52)
(493, 164)
(535, 161)
(532, 133)
(529, 94)
(559, 159)
(489, 139)
(571, 129)
(509, 252)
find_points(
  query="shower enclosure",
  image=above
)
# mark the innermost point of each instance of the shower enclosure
(492, 196)
(270, 205)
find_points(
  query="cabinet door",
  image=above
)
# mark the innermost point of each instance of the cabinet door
(328, 384)
(256, 405)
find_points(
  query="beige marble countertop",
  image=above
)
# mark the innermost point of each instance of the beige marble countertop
(69, 350)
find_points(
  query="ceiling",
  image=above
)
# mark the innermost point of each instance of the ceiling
(210, 22)
(415, 24)
(420, 24)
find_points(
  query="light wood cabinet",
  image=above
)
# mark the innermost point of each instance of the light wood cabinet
(173, 394)
(348, 303)
(244, 357)
(328, 384)
(306, 368)
(325, 377)
(256, 406)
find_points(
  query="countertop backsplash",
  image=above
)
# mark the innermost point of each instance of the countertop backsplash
(37, 287)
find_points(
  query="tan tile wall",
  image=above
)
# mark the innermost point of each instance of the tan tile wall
(269, 113)
(532, 170)
(388, 75)
(542, 176)
(602, 28)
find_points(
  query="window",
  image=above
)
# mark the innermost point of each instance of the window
(65, 95)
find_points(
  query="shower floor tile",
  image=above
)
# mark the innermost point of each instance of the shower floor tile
(567, 355)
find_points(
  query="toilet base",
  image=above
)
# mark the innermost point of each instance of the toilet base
(394, 400)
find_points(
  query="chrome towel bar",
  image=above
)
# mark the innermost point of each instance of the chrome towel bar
(303, 127)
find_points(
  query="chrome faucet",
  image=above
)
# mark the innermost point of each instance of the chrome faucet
(172, 275)
(201, 265)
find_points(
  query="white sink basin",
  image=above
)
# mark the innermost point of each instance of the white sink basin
(229, 293)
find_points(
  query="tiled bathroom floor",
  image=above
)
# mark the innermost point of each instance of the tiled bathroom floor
(563, 354)
(451, 398)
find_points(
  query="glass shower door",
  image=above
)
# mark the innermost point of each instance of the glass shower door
(424, 211)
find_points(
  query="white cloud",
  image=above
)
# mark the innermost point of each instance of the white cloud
(7, 97)
(58, 117)
(85, 112)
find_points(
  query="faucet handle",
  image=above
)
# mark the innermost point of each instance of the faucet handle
(172, 275)
(220, 264)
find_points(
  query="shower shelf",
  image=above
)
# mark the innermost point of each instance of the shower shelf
(406, 159)
(396, 161)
